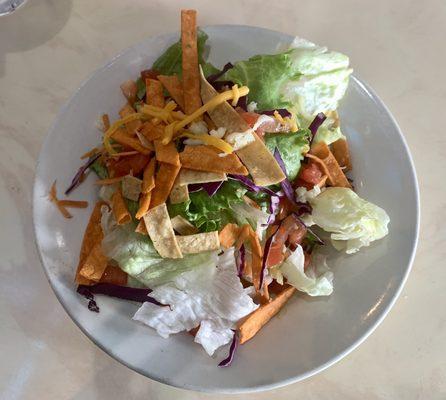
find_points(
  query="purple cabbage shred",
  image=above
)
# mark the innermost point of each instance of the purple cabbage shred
(234, 344)
(139, 295)
(251, 186)
(214, 77)
(240, 261)
(315, 124)
(76, 181)
(210, 187)
(285, 184)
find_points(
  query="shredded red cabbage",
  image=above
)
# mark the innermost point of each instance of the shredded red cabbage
(76, 181)
(243, 103)
(228, 360)
(283, 112)
(273, 204)
(219, 85)
(285, 184)
(122, 292)
(251, 186)
(210, 187)
(314, 126)
(240, 261)
(266, 250)
(214, 77)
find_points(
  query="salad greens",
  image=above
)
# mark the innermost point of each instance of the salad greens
(210, 213)
(169, 63)
(352, 221)
(292, 147)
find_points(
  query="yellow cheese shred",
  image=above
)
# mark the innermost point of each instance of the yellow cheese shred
(234, 93)
(210, 140)
(166, 114)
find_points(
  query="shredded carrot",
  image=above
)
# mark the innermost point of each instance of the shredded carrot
(228, 235)
(90, 153)
(243, 236)
(73, 203)
(106, 122)
(144, 205)
(53, 198)
(124, 153)
(108, 181)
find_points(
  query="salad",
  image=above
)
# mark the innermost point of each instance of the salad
(218, 189)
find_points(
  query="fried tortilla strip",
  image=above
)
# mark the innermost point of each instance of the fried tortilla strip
(257, 319)
(189, 176)
(114, 275)
(167, 153)
(131, 187)
(164, 180)
(193, 244)
(334, 172)
(144, 205)
(141, 227)
(256, 257)
(179, 194)
(341, 152)
(229, 235)
(255, 156)
(93, 234)
(122, 138)
(161, 232)
(191, 77)
(148, 179)
(95, 263)
(131, 126)
(205, 158)
(120, 211)
(154, 93)
(151, 131)
(175, 88)
(183, 226)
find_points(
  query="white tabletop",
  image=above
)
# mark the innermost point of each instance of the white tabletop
(49, 46)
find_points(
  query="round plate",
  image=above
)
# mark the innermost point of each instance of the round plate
(309, 334)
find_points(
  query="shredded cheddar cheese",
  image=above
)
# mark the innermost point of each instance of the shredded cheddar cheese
(288, 121)
(236, 95)
(233, 93)
(210, 140)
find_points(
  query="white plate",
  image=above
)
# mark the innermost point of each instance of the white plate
(309, 334)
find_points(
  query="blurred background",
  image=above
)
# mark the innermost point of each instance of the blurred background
(48, 47)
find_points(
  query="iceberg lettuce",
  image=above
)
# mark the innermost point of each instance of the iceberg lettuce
(210, 296)
(317, 280)
(306, 79)
(352, 221)
(136, 255)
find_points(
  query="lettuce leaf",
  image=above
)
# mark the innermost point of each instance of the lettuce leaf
(169, 63)
(291, 147)
(210, 213)
(317, 280)
(306, 79)
(210, 296)
(134, 253)
(99, 169)
(352, 221)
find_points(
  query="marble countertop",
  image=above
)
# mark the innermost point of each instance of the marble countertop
(49, 46)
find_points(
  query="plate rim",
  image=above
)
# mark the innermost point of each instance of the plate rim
(248, 389)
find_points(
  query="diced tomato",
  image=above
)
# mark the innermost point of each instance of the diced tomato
(309, 175)
(250, 117)
(135, 163)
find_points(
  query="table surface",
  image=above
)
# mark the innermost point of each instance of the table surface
(49, 46)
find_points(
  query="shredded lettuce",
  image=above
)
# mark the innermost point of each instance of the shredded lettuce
(210, 296)
(352, 221)
(317, 280)
(169, 63)
(210, 213)
(135, 254)
(291, 146)
(306, 79)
